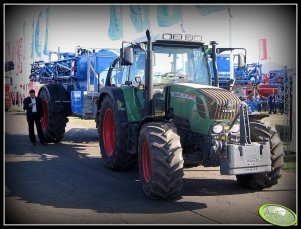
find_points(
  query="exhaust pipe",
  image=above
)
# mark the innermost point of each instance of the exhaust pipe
(149, 76)
(213, 56)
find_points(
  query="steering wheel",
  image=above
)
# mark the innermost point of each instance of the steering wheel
(169, 75)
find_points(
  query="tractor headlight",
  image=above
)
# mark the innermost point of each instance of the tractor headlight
(218, 128)
(235, 128)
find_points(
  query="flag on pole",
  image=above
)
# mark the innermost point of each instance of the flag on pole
(139, 17)
(168, 15)
(263, 49)
(37, 36)
(208, 9)
(45, 51)
(24, 25)
(115, 30)
(32, 40)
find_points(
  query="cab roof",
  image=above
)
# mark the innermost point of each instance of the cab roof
(173, 38)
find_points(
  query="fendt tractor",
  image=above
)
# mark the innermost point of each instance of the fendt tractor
(157, 106)
(165, 114)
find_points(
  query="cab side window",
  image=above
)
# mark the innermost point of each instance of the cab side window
(138, 67)
(117, 77)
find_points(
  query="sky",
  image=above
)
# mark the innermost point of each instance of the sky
(87, 26)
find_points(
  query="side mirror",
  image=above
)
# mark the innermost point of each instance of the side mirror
(126, 56)
(138, 79)
(230, 82)
(241, 61)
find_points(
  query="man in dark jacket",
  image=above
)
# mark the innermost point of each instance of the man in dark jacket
(271, 104)
(34, 113)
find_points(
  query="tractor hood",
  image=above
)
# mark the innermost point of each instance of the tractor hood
(202, 104)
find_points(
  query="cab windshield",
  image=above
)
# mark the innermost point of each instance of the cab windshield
(173, 64)
(180, 65)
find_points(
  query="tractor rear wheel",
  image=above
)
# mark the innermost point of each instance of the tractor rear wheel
(113, 138)
(55, 115)
(160, 160)
(259, 132)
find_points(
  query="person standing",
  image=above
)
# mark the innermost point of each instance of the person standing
(275, 101)
(258, 102)
(271, 104)
(34, 115)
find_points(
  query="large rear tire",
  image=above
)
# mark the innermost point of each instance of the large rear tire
(113, 140)
(261, 131)
(160, 160)
(55, 117)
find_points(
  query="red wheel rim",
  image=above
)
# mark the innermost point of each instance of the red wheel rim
(108, 132)
(45, 117)
(146, 163)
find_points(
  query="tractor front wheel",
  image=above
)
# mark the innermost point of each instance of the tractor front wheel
(259, 132)
(160, 160)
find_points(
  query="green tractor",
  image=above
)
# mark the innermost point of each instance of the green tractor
(162, 112)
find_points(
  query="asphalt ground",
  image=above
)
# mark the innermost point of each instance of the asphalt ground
(66, 183)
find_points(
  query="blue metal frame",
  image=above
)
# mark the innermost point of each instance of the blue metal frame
(78, 72)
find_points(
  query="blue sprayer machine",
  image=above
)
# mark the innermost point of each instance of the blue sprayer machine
(70, 86)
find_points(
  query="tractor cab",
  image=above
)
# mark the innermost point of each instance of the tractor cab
(174, 61)
(176, 58)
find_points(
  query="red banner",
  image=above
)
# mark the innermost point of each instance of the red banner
(263, 49)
